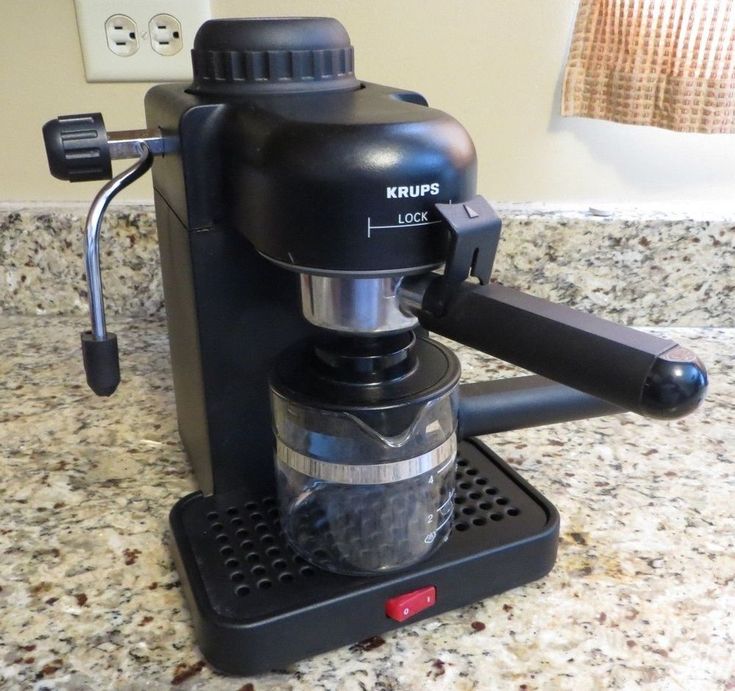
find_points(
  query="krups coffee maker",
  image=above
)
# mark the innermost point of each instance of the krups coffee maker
(313, 230)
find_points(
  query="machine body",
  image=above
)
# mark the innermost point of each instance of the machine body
(313, 229)
(316, 222)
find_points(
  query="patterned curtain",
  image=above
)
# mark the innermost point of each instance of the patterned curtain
(666, 63)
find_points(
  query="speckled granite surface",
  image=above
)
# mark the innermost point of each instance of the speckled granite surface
(642, 594)
(635, 266)
(42, 270)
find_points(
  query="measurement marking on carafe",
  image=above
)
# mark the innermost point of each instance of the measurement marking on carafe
(443, 523)
(399, 225)
(430, 537)
(443, 468)
(447, 506)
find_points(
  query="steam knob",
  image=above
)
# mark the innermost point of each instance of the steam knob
(77, 147)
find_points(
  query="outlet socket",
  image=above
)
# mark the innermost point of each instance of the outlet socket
(165, 33)
(122, 35)
(138, 40)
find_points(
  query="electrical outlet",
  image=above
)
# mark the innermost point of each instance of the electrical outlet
(122, 35)
(139, 40)
(165, 33)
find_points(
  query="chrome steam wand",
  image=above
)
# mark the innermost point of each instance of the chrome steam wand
(79, 148)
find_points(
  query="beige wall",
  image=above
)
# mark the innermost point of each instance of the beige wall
(495, 65)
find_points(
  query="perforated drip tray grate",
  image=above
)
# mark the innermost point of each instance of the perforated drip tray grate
(238, 569)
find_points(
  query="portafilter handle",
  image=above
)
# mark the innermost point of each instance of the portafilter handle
(636, 371)
(79, 148)
(632, 370)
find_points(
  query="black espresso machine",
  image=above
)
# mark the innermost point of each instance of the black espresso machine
(313, 230)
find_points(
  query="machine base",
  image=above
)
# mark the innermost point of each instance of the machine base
(258, 606)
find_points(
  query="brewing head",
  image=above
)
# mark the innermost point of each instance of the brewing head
(359, 306)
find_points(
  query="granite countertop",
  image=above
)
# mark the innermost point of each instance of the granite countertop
(642, 593)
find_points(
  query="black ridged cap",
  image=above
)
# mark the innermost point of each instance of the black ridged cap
(76, 147)
(278, 55)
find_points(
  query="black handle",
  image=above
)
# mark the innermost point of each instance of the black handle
(77, 147)
(501, 405)
(101, 363)
(636, 371)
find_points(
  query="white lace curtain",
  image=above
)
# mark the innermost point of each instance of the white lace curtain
(666, 63)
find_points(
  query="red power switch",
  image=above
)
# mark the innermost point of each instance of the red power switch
(405, 606)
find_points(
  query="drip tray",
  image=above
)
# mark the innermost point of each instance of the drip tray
(257, 605)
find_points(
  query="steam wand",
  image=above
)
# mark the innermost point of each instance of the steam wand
(99, 347)
(79, 148)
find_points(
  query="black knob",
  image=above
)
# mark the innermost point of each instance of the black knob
(279, 55)
(675, 386)
(76, 147)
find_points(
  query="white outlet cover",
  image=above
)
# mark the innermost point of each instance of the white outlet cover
(145, 64)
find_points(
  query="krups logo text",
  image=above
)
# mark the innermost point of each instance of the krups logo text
(406, 191)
